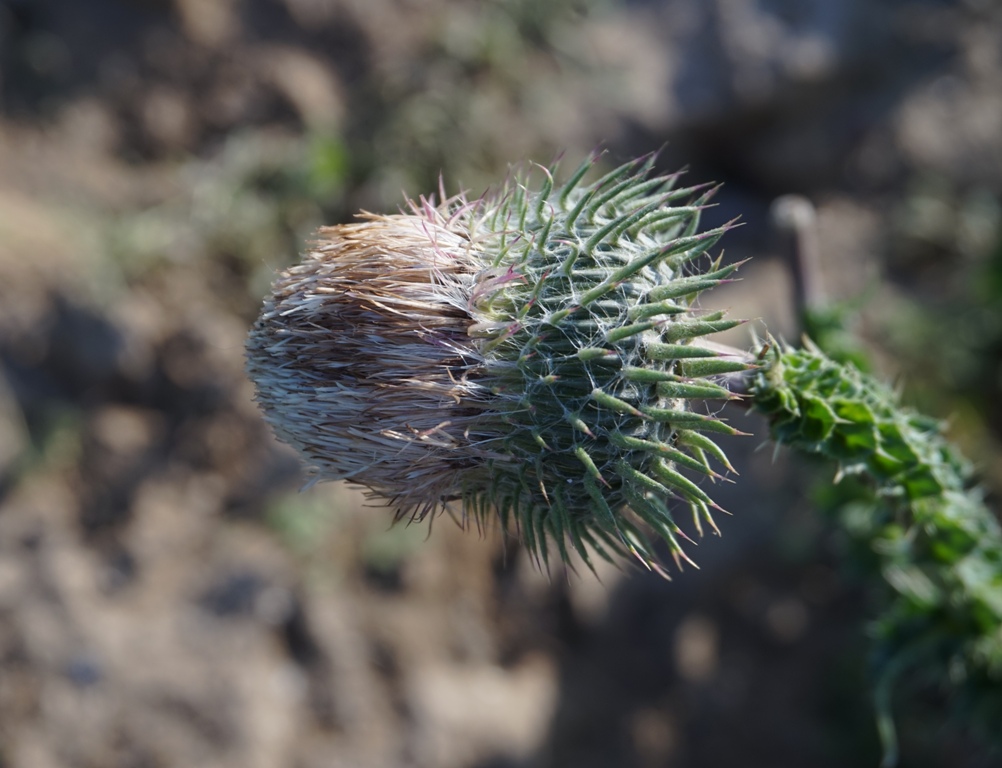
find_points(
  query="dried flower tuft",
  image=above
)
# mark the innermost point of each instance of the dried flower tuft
(529, 356)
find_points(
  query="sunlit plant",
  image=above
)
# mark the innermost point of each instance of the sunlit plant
(537, 357)
(531, 356)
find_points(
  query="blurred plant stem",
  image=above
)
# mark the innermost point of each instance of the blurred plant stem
(924, 532)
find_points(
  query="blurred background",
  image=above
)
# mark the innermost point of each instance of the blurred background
(168, 598)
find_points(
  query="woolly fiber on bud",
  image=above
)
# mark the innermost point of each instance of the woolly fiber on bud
(528, 356)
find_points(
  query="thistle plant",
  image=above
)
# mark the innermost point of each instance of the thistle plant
(933, 542)
(531, 356)
(537, 357)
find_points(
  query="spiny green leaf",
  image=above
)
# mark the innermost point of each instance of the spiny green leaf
(614, 403)
(691, 328)
(701, 441)
(696, 369)
(694, 390)
(689, 420)
(659, 351)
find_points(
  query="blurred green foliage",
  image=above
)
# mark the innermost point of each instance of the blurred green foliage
(945, 333)
(250, 205)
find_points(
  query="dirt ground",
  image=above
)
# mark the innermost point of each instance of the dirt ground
(169, 598)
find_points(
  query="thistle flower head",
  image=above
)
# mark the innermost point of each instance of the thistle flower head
(528, 356)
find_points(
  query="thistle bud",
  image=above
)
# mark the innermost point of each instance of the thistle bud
(528, 356)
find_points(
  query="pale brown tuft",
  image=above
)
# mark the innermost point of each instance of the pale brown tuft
(362, 358)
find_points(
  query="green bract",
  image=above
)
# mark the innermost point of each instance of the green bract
(536, 357)
(531, 356)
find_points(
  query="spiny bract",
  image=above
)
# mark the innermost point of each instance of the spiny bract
(529, 355)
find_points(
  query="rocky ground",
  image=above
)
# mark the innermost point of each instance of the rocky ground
(167, 598)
